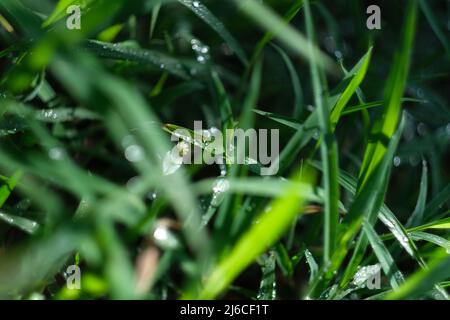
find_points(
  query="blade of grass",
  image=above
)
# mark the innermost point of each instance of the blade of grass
(128, 53)
(383, 129)
(416, 217)
(203, 13)
(424, 280)
(255, 241)
(328, 146)
(8, 185)
(384, 257)
(437, 240)
(295, 80)
(270, 21)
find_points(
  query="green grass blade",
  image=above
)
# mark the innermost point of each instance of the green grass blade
(268, 36)
(203, 13)
(429, 237)
(22, 223)
(130, 53)
(295, 80)
(255, 241)
(312, 264)
(384, 257)
(270, 21)
(424, 280)
(267, 287)
(357, 75)
(328, 147)
(416, 217)
(394, 89)
(7, 186)
(440, 34)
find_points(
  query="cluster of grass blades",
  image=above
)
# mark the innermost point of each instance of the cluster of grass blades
(360, 188)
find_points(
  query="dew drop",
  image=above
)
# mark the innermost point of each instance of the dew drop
(57, 153)
(134, 153)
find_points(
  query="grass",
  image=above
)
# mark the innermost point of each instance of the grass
(361, 184)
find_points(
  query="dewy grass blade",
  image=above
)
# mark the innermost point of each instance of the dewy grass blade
(423, 280)
(22, 223)
(377, 150)
(365, 206)
(203, 13)
(328, 147)
(384, 257)
(125, 52)
(258, 238)
(313, 267)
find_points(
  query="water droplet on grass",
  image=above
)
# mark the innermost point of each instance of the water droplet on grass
(221, 185)
(57, 153)
(134, 153)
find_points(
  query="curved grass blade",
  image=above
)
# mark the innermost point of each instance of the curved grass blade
(433, 207)
(384, 257)
(386, 126)
(268, 36)
(356, 75)
(428, 12)
(295, 80)
(365, 206)
(270, 21)
(203, 13)
(424, 280)
(379, 151)
(418, 213)
(120, 51)
(255, 241)
(313, 267)
(437, 240)
(294, 124)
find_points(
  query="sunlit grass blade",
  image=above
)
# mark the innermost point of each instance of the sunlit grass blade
(7, 186)
(394, 89)
(357, 75)
(424, 280)
(258, 238)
